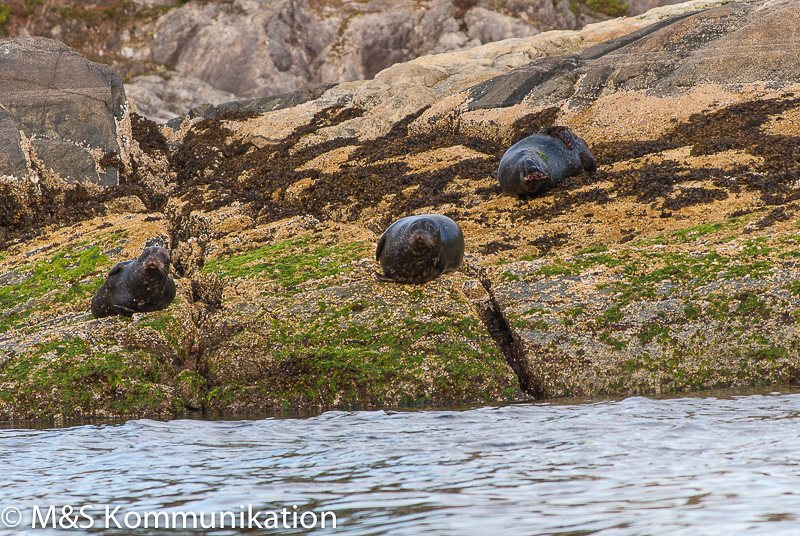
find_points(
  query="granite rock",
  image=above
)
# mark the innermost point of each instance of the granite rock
(53, 93)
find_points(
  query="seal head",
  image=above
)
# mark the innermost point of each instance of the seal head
(418, 249)
(138, 286)
(534, 176)
(539, 162)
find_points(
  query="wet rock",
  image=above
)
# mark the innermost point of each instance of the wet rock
(725, 332)
(191, 388)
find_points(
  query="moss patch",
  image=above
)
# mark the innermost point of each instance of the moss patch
(73, 378)
(289, 263)
(67, 276)
(357, 356)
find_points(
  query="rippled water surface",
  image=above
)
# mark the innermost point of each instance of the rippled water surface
(694, 466)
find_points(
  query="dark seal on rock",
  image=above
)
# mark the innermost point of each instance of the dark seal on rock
(137, 286)
(418, 249)
(539, 162)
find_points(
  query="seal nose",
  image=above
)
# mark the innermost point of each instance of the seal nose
(420, 240)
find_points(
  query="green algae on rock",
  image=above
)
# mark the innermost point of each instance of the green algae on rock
(74, 378)
(672, 268)
(676, 318)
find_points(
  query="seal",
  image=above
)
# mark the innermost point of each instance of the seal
(138, 286)
(539, 162)
(418, 249)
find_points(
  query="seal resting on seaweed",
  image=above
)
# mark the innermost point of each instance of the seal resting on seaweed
(537, 163)
(138, 286)
(420, 248)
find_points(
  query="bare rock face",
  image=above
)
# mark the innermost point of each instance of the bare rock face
(546, 15)
(12, 157)
(162, 98)
(736, 44)
(257, 48)
(486, 26)
(248, 48)
(60, 112)
(253, 48)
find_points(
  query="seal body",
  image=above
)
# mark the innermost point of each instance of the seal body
(537, 163)
(420, 248)
(136, 286)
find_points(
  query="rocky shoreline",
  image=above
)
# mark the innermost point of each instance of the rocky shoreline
(670, 269)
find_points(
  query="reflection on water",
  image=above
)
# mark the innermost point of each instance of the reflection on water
(637, 466)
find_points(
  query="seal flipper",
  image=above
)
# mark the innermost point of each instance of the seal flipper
(560, 133)
(382, 277)
(381, 243)
(587, 160)
(126, 311)
(534, 182)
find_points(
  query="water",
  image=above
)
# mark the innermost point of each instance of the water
(639, 466)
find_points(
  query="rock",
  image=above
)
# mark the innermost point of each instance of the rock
(406, 88)
(301, 45)
(546, 15)
(191, 389)
(69, 105)
(257, 106)
(647, 59)
(279, 46)
(162, 3)
(161, 98)
(69, 161)
(672, 268)
(485, 26)
(217, 43)
(12, 157)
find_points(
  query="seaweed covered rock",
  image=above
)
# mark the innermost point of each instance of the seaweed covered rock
(671, 268)
(298, 323)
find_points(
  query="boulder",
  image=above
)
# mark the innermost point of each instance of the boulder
(69, 107)
(247, 48)
(486, 26)
(161, 98)
(709, 51)
(296, 45)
